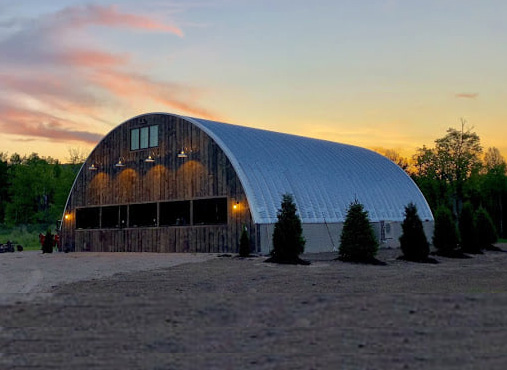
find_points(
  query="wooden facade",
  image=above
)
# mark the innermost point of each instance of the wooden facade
(203, 172)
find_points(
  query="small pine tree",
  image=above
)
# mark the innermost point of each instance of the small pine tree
(467, 231)
(244, 243)
(445, 235)
(486, 232)
(49, 241)
(357, 241)
(413, 242)
(288, 240)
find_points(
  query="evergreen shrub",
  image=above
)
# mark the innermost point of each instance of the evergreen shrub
(445, 235)
(244, 243)
(357, 241)
(485, 230)
(413, 242)
(467, 230)
(288, 240)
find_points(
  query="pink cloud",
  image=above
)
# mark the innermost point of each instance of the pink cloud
(80, 16)
(38, 124)
(92, 58)
(40, 65)
(130, 85)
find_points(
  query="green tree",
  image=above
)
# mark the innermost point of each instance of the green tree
(38, 189)
(454, 159)
(467, 229)
(493, 187)
(288, 240)
(445, 234)
(413, 242)
(357, 241)
(486, 233)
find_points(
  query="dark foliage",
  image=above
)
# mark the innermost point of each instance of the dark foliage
(467, 231)
(33, 189)
(49, 242)
(244, 244)
(357, 241)
(413, 242)
(288, 240)
(445, 235)
(486, 233)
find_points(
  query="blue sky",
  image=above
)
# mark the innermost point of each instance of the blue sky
(382, 73)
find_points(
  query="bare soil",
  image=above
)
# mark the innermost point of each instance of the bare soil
(232, 313)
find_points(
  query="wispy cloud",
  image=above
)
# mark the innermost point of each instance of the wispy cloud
(54, 88)
(24, 122)
(466, 95)
(111, 16)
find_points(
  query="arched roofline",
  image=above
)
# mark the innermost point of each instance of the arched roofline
(235, 163)
(324, 204)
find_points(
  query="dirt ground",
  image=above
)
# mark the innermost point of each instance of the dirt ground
(232, 313)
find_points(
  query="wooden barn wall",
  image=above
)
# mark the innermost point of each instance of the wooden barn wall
(206, 173)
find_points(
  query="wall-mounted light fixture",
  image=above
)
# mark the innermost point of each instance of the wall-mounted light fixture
(120, 163)
(235, 206)
(149, 159)
(182, 154)
(92, 167)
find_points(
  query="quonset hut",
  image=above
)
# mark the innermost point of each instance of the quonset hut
(166, 183)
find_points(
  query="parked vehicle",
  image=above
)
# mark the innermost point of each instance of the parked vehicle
(7, 247)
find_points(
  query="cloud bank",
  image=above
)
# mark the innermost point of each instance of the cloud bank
(54, 85)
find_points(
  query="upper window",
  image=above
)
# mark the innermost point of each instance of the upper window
(144, 137)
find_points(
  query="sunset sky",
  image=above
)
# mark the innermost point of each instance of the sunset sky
(393, 74)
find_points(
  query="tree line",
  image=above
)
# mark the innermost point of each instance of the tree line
(34, 189)
(454, 172)
(457, 172)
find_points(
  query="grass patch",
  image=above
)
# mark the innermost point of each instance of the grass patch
(25, 235)
(502, 241)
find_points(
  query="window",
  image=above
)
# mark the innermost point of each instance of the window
(153, 136)
(110, 217)
(145, 131)
(88, 218)
(123, 216)
(134, 139)
(143, 215)
(175, 213)
(210, 211)
(144, 137)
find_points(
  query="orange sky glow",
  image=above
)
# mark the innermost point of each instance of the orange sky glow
(378, 74)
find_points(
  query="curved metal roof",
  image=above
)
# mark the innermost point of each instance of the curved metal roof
(324, 177)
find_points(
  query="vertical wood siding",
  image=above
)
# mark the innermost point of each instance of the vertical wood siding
(206, 173)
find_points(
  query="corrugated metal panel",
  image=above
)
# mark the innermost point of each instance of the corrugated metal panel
(324, 177)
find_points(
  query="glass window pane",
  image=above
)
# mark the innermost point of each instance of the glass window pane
(88, 218)
(110, 216)
(144, 137)
(175, 213)
(134, 139)
(153, 136)
(210, 211)
(143, 215)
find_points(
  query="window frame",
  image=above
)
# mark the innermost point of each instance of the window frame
(144, 137)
